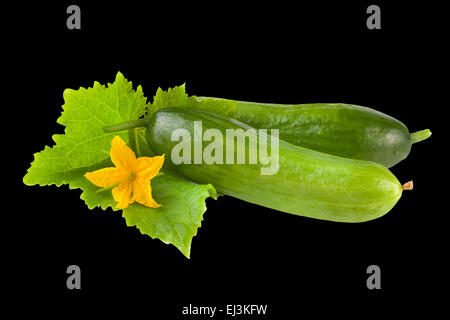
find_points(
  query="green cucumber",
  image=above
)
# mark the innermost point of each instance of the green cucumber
(308, 183)
(343, 130)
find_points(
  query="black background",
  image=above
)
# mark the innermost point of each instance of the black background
(276, 52)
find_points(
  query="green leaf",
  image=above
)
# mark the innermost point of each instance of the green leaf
(181, 212)
(85, 147)
(84, 144)
(177, 97)
(173, 97)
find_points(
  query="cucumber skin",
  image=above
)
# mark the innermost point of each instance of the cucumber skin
(344, 130)
(308, 183)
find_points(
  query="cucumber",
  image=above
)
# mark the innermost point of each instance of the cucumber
(308, 183)
(343, 130)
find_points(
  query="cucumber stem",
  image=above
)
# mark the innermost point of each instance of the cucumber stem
(126, 125)
(133, 141)
(420, 135)
(408, 186)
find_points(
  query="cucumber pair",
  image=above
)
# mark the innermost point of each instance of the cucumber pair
(332, 157)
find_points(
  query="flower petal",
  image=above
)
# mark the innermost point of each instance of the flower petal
(121, 155)
(122, 194)
(106, 177)
(147, 168)
(142, 193)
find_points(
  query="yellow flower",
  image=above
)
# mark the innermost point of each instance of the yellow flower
(132, 176)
